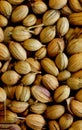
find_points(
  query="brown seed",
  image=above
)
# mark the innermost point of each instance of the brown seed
(41, 94)
(55, 46)
(61, 61)
(53, 125)
(39, 7)
(18, 91)
(54, 111)
(47, 34)
(10, 77)
(4, 52)
(20, 33)
(41, 53)
(38, 80)
(5, 66)
(38, 108)
(77, 125)
(19, 13)
(61, 93)
(22, 67)
(10, 126)
(75, 18)
(1, 35)
(35, 121)
(10, 91)
(3, 21)
(64, 75)
(18, 107)
(34, 63)
(74, 83)
(11, 117)
(30, 20)
(66, 11)
(75, 5)
(62, 26)
(7, 34)
(5, 8)
(15, 2)
(74, 46)
(50, 81)
(22, 93)
(17, 51)
(50, 17)
(76, 108)
(2, 95)
(29, 78)
(57, 4)
(32, 44)
(75, 62)
(65, 121)
(78, 95)
(49, 66)
(77, 74)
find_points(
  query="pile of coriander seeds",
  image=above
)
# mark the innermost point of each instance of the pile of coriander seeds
(41, 64)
